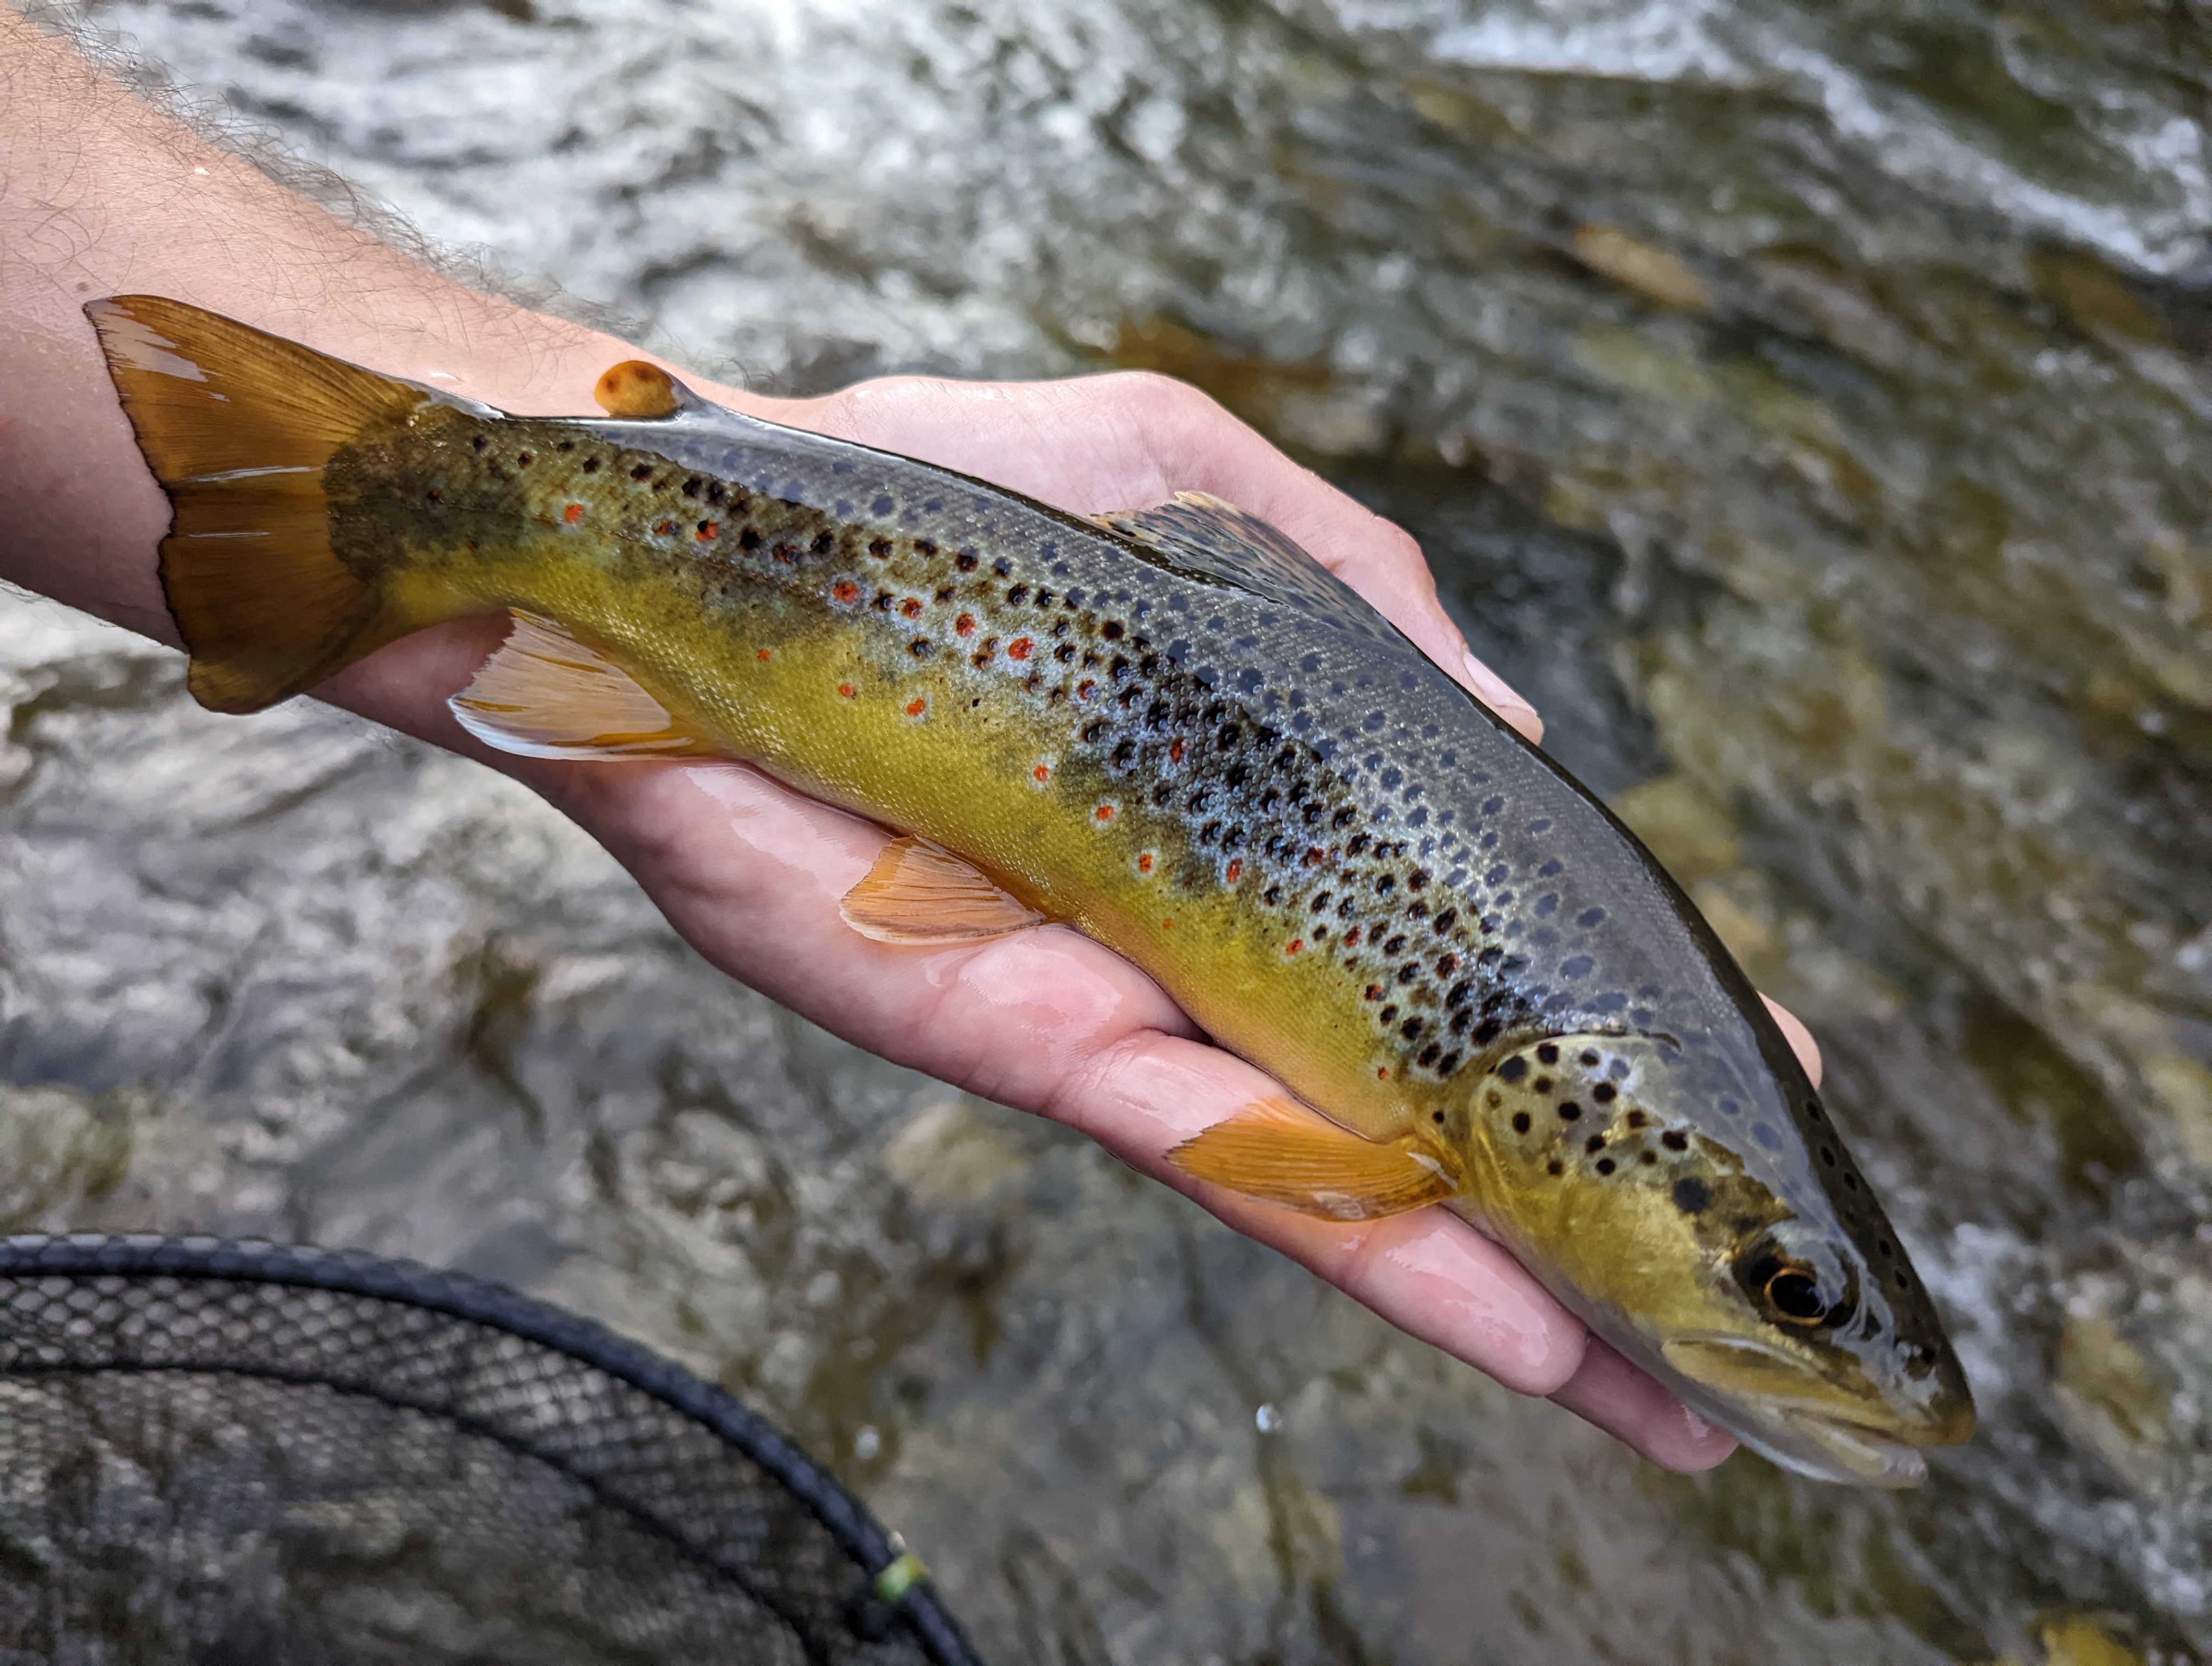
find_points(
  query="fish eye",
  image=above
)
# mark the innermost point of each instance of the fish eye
(1795, 1293)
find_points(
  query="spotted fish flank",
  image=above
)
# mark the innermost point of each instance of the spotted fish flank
(1169, 728)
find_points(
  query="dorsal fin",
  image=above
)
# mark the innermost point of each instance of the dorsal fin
(1215, 543)
(546, 694)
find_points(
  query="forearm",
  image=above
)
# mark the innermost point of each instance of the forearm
(102, 194)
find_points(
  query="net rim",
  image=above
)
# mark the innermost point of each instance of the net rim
(479, 1301)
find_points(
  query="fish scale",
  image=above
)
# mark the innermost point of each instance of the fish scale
(1169, 728)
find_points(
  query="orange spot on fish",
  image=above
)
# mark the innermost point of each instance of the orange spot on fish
(761, 653)
(1315, 855)
(845, 590)
(1104, 813)
(1143, 862)
(1018, 648)
(1083, 690)
(1374, 992)
(1167, 925)
(707, 530)
(1351, 938)
(1383, 1072)
(1042, 772)
(573, 513)
(965, 624)
(915, 707)
(1294, 945)
(1175, 751)
(1235, 868)
(911, 607)
(844, 690)
(665, 528)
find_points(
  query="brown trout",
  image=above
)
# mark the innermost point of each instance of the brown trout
(1170, 729)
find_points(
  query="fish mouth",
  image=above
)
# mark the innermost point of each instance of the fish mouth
(1777, 1419)
(1842, 1449)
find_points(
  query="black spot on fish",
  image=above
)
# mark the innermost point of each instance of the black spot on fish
(1691, 1194)
(1520, 1121)
(882, 506)
(590, 466)
(1605, 1165)
(1547, 1053)
(1675, 1139)
(1569, 1111)
(1513, 1069)
(1765, 1134)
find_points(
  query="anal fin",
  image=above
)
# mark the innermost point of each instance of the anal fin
(546, 694)
(919, 892)
(1277, 1149)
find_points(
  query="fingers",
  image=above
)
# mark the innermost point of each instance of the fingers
(1133, 440)
(1612, 1393)
(1427, 1272)
(1799, 1038)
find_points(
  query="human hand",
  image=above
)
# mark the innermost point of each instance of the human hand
(751, 874)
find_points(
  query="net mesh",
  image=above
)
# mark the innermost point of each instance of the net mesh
(249, 1454)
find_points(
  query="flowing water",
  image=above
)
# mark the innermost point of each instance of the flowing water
(1807, 405)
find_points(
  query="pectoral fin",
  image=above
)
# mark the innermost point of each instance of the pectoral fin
(919, 892)
(1279, 1150)
(546, 694)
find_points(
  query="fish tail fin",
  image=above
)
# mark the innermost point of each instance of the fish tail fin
(238, 426)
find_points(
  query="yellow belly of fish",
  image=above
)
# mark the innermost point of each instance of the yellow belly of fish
(971, 765)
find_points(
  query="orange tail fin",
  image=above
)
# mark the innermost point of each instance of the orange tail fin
(238, 426)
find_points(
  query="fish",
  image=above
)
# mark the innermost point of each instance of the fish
(1168, 728)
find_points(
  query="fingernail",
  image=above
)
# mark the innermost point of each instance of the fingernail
(1501, 698)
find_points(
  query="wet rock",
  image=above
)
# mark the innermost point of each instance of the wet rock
(1667, 278)
(1890, 574)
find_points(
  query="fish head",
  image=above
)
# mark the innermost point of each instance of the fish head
(1704, 1220)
